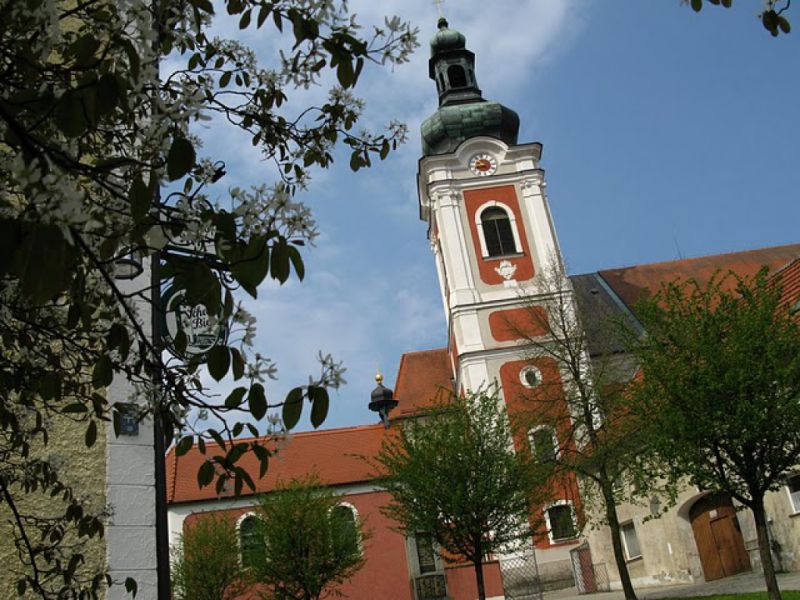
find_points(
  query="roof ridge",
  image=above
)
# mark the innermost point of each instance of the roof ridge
(443, 348)
(333, 430)
(691, 258)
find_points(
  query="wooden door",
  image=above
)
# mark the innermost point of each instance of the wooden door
(718, 537)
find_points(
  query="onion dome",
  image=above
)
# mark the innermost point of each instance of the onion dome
(463, 112)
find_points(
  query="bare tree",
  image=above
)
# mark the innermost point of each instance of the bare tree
(574, 416)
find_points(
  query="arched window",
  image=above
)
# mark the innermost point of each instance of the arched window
(544, 443)
(456, 76)
(344, 527)
(251, 541)
(497, 232)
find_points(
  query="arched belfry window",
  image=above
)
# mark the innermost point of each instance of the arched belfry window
(456, 76)
(497, 232)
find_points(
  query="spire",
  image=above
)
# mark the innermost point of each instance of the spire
(463, 112)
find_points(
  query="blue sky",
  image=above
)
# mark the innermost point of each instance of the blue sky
(666, 133)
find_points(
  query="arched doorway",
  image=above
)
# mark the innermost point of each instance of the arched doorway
(718, 537)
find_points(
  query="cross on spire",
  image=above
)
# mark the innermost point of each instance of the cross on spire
(438, 4)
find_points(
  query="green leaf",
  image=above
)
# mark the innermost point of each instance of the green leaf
(205, 474)
(252, 266)
(237, 364)
(102, 373)
(292, 407)
(319, 408)
(140, 198)
(116, 418)
(180, 341)
(69, 114)
(43, 261)
(257, 401)
(235, 398)
(297, 261)
(697, 5)
(108, 94)
(184, 445)
(91, 434)
(262, 454)
(219, 360)
(279, 261)
(131, 586)
(244, 22)
(180, 159)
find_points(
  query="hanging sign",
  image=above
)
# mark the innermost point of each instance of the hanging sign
(203, 331)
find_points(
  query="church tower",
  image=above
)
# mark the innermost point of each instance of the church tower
(489, 224)
(497, 257)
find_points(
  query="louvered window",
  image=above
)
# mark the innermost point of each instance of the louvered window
(497, 232)
(456, 76)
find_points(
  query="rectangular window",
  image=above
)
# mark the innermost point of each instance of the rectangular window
(794, 492)
(630, 541)
(561, 521)
(543, 444)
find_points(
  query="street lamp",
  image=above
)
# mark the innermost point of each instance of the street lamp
(381, 400)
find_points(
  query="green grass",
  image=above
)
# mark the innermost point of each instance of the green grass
(750, 596)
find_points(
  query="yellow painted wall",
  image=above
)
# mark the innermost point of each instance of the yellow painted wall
(81, 467)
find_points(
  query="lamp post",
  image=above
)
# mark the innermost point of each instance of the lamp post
(382, 400)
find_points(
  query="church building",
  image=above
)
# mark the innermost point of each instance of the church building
(483, 199)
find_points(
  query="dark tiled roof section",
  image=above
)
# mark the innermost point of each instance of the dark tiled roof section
(422, 377)
(789, 278)
(601, 312)
(634, 283)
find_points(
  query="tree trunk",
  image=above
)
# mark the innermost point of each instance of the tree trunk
(479, 579)
(478, 562)
(764, 549)
(607, 489)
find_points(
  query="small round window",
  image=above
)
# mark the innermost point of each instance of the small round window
(530, 377)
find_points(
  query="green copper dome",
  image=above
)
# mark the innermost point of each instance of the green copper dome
(447, 39)
(463, 112)
(443, 131)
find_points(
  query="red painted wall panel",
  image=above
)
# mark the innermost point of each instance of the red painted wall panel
(462, 585)
(505, 194)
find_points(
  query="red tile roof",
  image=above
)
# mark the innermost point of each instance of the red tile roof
(422, 377)
(633, 283)
(333, 454)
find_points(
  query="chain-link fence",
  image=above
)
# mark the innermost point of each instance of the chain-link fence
(521, 579)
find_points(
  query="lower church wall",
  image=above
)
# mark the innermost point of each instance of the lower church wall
(669, 552)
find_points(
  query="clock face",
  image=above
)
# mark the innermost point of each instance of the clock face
(483, 165)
